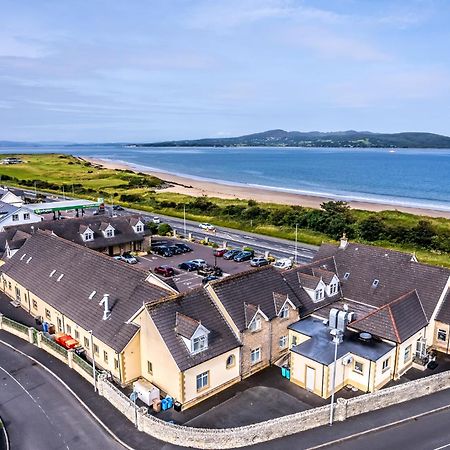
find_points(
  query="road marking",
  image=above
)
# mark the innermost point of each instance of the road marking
(443, 446)
(381, 428)
(36, 403)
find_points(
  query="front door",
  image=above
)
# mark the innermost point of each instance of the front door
(310, 378)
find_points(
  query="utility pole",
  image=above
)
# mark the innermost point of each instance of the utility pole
(93, 361)
(296, 243)
(336, 333)
(184, 220)
(35, 190)
(64, 194)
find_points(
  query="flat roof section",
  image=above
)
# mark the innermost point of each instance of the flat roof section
(65, 205)
(320, 347)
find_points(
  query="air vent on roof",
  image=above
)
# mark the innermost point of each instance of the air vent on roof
(60, 277)
(346, 275)
(52, 272)
(23, 256)
(92, 295)
(365, 337)
(29, 259)
(375, 283)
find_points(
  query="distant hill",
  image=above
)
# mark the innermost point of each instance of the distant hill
(349, 139)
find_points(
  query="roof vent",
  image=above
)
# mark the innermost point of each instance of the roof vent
(23, 256)
(375, 283)
(365, 337)
(346, 275)
(91, 296)
(52, 272)
(29, 259)
(60, 277)
(105, 302)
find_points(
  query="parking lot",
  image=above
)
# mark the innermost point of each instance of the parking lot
(188, 280)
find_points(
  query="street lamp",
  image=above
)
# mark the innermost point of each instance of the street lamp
(93, 360)
(337, 336)
(184, 220)
(296, 244)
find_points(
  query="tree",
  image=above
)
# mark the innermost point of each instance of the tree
(422, 234)
(164, 229)
(371, 228)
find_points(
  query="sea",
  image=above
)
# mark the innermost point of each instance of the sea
(408, 177)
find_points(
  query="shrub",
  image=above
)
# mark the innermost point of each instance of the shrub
(164, 229)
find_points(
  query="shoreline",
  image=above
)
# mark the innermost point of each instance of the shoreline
(196, 187)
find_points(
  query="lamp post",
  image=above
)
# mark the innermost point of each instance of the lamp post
(184, 220)
(296, 243)
(93, 360)
(337, 334)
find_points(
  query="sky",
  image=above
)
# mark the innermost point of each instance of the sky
(152, 70)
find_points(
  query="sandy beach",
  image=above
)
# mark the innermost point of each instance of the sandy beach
(188, 186)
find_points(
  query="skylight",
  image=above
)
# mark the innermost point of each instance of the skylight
(346, 275)
(375, 283)
(52, 272)
(60, 277)
(91, 296)
(29, 259)
(23, 256)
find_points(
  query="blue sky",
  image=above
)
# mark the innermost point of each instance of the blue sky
(114, 70)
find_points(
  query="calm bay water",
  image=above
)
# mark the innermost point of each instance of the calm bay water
(405, 176)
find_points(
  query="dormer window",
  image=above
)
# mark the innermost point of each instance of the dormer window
(139, 228)
(333, 288)
(87, 235)
(255, 325)
(199, 343)
(319, 294)
(109, 233)
(284, 312)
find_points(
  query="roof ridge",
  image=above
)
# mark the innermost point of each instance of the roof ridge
(242, 274)
(394, 323)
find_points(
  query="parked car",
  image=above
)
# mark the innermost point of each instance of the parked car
(118, 208)
(175, 249)
(199, 262)
(283, 263)
(165, 271)
(188, 265)
(162, 250)
(156, 220)
(220, 252)
(243, 256)
(185, 248)
(259, 262)
(207, 226)
(209, 278)
(129, 258)
(210, 270)
(230, 254)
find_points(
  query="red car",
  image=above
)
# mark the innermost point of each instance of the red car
(165, 271)
(220, 252)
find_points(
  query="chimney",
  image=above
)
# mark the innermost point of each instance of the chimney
(105, 302)
(344, 241)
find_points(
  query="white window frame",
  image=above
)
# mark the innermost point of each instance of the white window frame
(284, 312)
(386, 364)
(15, 217)
(199, 343)
(109, 233)
(283, 341)
(139, 228)
(26, 216)
(333, 288)
(253, 358)
(255, 325)
(319, 294)
(407, 354)
(202, 380)
(439, 334)
(355, 369)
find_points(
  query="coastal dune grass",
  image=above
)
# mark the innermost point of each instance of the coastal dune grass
(52, 172)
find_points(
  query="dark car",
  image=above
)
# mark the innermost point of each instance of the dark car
(220, 252)
(162, 250)
(165, 271)
(210, 270)
(230, 254)
(188, 265)
(175, 249)
(259, 262)
(243, 256)
(184, 248)
(209, 278)
(118, 208)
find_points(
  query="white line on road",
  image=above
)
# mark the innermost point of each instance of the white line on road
(36, 403)
(443, 446)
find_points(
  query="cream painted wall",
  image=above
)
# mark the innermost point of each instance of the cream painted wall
(218, 375)
(131, 360)
(382, 377)
(442, 346)
(300, 337)
(298, 372)
(402, 365)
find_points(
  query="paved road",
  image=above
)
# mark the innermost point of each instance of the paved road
(40, 414)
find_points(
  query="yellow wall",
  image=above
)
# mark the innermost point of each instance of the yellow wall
(438, 344)
(219, 375)
(131, 360)
(383, 377)
(403, 366)
(298, 372)
(299, 337)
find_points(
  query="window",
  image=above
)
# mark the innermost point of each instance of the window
(59, 323)
(255, 355)
(69, 329)
(34, 304)
(442, 335)
(139, 228)
(282, 342)
(294, 340)
(319, 294)
(386, 364)
(109, 232)
(9, 285)
(77, 334)
(26, 216)
(116, 363)
(105, 356)
(346, 275)
(48, 314)
(333, 288)
(88, 236)
(256, 324)
(284, 313)
(199, 343)
(358, 367)
(96, 350)
(407, 355)
(86, 342)
(231, 361)
(149, 367)
(15, 217)
(202, 381)
(375, 283)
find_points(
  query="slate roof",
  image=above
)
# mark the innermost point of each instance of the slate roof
(197, 305)
(84, 271)
(254, 287)
(279, 300)
(308, 281)
(185, 326)
(397, 273)
(443, 314)
(396, 321)
(70, 229)
(6, 209)
(249, 312)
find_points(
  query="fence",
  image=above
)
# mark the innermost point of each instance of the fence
(55, 349)
(14, 327)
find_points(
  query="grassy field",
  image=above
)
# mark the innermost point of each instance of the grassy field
(53, 173)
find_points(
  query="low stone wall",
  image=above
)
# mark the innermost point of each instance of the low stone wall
(45, 345)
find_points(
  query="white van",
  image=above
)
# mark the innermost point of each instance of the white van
(283, 263)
